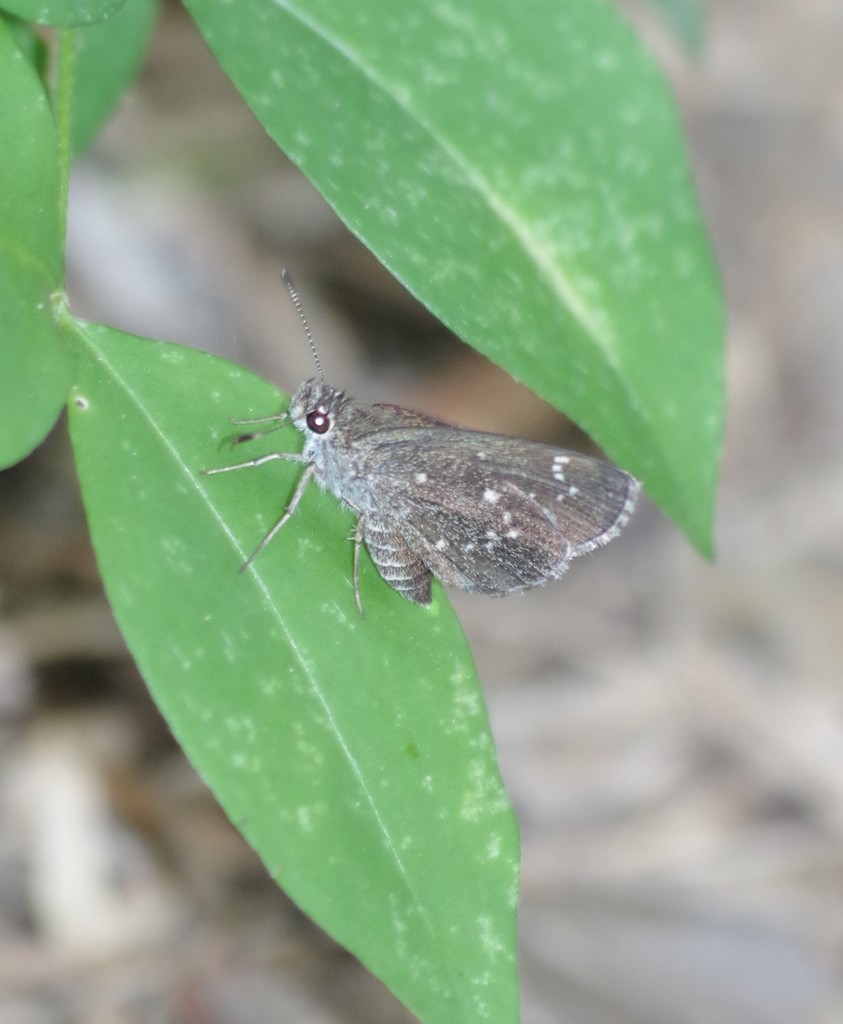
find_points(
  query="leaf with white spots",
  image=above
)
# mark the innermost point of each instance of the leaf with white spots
(354, 754)
(63, 13)
(524, 174)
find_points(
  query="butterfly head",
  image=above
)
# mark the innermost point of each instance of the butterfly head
(315, 409)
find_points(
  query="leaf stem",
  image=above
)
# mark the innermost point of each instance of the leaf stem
(63, 108)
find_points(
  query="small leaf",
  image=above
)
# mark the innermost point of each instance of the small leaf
(34, 363)
(353, 753)
(523, 172)
(109, 56)
(29, 42)
(63, 13)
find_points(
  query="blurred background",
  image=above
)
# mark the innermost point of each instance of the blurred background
(671, 732)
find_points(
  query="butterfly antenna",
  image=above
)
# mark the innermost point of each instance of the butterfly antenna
(294, 295)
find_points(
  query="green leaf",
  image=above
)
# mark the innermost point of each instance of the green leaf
(109, 56)
(29, 42)
(35, 366)
(63, 13)
(353, 753)
(523, 172)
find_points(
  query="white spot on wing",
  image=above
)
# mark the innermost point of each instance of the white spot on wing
(421, 478)
(441, 544)
(558, 462)
(489, 545)
(491, 496)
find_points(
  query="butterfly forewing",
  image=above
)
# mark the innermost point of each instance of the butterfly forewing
(493, 513)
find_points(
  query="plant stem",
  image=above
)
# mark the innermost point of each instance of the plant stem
(63, 109)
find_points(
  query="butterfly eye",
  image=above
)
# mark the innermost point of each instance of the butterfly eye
(318, 421)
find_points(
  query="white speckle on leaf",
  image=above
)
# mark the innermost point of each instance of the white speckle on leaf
(605, 59)
(489, 940)
(474, 807)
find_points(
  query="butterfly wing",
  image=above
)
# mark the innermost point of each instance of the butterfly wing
(491, 513)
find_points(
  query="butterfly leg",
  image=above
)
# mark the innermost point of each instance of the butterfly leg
(358, 540)
(252, 463)
(277, 420)
(294, 501)
(288, 513)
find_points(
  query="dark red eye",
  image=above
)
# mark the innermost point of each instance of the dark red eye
(318, 421)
